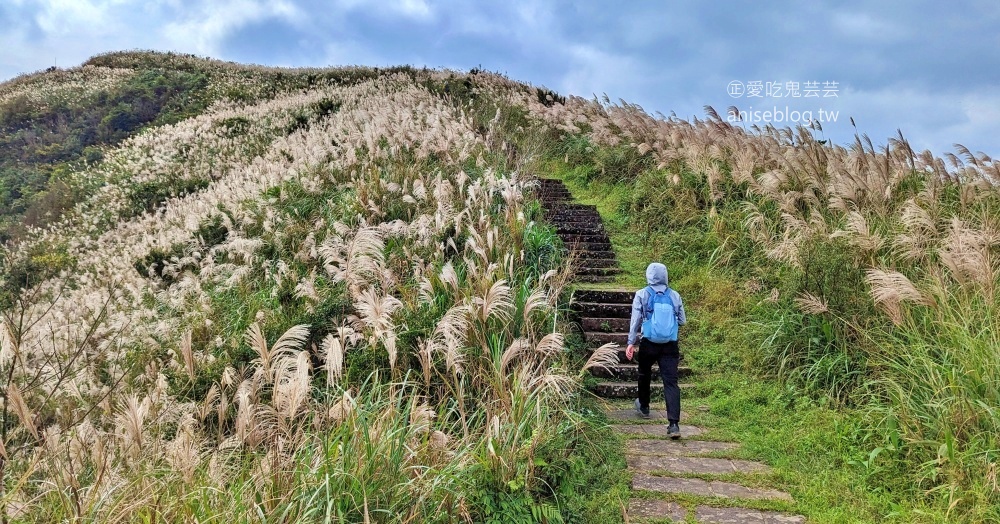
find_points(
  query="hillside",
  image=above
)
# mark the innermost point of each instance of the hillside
(269, 294)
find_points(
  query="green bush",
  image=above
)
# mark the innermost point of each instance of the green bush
(542, 250)
(25, 271)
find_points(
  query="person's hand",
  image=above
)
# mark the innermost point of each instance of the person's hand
(630, 351)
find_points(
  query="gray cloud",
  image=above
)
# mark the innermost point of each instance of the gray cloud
(926, 67)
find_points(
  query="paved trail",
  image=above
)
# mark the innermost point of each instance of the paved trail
(663, 470)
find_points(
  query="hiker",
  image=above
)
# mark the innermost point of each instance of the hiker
(659, 310)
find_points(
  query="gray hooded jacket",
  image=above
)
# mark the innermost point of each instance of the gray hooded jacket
(656, 277)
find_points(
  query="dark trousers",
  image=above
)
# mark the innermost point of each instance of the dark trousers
(666, 356)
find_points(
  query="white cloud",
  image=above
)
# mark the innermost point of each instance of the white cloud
(594, 71)
(206, 27)
(864, 26)
(87, 16)
(413, 9)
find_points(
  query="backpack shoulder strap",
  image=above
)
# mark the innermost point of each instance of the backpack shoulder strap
(647, 306)
(670, 296)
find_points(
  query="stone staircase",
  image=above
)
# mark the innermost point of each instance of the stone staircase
(603, 314)
(582, 231)
(664, 472)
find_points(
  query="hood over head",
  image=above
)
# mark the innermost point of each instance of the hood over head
(656, 276)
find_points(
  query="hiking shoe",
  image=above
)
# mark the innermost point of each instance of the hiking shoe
(643, 413)
(674, 431)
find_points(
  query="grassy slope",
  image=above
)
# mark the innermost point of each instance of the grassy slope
(573, 469)
(811, 446)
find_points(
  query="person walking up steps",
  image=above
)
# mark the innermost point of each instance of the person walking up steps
(659, 311)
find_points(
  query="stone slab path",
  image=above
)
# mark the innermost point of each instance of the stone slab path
(693, 465)
(661, 468)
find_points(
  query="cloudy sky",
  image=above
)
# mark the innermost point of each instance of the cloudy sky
(929, 68)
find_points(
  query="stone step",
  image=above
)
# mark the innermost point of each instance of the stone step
(627, 372)
(593, 247)
(585, 239)
(658, 430)
(599, 295)
(580, 229)
(599, 338)
(599, 237)
(684, 447)
(600, 245)
(705, 488)
(573, 215)
(598, 271)
(597, 262)
(656, 414)
(714, 515)
(560, 212)
(614, 389)
(605, 325)
(549, 197)
(693, 465)
(581, 215)
(587, 255)
(674, 512)
(655, 509)
(601, 248)
(596, 279)
(575, 206)
(603, 310)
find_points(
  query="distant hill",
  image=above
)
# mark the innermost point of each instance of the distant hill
(58, 121)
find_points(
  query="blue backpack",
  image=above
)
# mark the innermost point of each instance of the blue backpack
(660, 323)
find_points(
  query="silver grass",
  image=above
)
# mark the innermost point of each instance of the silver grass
(357, 260)
(187, 355)
(131, 419)
(375, 313)
(209, 403)
(15, 400)
(811, 304)
(292, 340)
(550, 345)
(495, 303)
(291, 384)
(514, 350)
(8, 347)
(425, 355)
(451, 333)
(333, 357)
(891, 288)
(859, 234)
(343, 408)
(603, 357)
